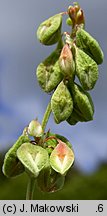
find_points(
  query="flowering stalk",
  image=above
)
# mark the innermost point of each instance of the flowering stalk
(47, 157)
(31, 183)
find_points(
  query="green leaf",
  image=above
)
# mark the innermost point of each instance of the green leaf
(61, 103)
(12, 166)
(61, 158)
(49, 31)
(33, 157)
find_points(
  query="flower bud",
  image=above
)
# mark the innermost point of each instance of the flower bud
(72, 14)
(35, 129)
(76, 14)
(77, 6)
(69, 21)
(80, 17)
(66, 62)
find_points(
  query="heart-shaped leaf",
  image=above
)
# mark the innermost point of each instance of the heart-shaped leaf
(61, 158)
(33, 157)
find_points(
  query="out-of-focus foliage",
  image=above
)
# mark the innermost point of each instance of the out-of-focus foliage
(78, 186)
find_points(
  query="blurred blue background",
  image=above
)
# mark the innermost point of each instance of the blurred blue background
(21, 98)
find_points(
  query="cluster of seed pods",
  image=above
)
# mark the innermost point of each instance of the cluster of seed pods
(77, 55)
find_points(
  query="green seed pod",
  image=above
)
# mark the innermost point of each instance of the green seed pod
(83, 106)
(48, 72)
(61, 103)
(33, 157)
(52, 141)
(86, 69)
(66, 62)
(49, 32)
(89, 45)
(12, 166)
(50, 181)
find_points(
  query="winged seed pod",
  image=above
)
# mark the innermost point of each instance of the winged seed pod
(64, 139)
(48, 72)
(61, 158)
(50, 181)
(61, 103)
(33, 158)
(49, 31)
(52, 140)
(86, 69)
(12, 166)
(76, 116)
(83, 105)
(66, 62)
(89, 45)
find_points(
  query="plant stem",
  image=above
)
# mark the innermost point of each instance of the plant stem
(31, 183)
(46, 116)
(30, 188)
